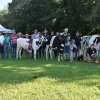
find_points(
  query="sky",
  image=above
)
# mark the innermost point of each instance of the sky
(3, 3)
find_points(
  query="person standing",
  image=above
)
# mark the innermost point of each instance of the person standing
(13, 39)
(80, 55)
(72, 50)
(27, 51)
(66, 39)
(52, 34)
(46, 44)
(6, 45)
(35, 36)
(1, 44)
(77, 39)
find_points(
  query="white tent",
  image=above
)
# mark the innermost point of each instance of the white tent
(4, 30)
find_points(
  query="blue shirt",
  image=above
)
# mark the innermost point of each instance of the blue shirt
(6, 39)
(35, 36)
(47, 36)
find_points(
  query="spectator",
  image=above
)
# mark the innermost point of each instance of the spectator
(27, 36)
(1, 45)
(20, 35)
(79, 55)
(91, 54)
(99, 55)
(52, 34)
(72, 50)
(13, 44)
(35, 36)
(66, 39)
(27, 51)
(55, 50)
(6, 45)
(46, 44)
(77, 39)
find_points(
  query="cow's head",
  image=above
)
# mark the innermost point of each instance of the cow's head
(42, 39)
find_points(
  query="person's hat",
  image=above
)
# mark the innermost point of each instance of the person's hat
(0, 30)
(66, 29)
(45, 31)
(19, 33)
(26, 34)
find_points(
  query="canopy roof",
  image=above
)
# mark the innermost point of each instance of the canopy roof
(4, 30)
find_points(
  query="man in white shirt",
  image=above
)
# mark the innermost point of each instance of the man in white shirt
(1, 44)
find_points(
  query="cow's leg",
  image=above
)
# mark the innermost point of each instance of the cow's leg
(20, 53)
(84, 53)
(34, 54)
(17, 52)
(47, 48)
(50, 51)
(59, 57)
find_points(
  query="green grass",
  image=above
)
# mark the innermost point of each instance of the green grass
(43, 79)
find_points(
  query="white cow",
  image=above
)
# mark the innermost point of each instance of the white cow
(56, 44)
(85, 44)
(24, 43)
(92, 39)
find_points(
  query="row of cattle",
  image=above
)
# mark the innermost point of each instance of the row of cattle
(54, 43)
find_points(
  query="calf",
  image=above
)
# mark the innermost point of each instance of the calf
(24, 43)
(85, 44)
(56, 43)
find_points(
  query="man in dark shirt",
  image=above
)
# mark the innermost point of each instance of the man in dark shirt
(77, 39)
(91, 54)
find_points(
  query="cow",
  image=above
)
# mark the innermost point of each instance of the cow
(85, 44)
(56, 43)
(24, 43)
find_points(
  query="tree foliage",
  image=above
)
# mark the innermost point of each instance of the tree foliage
(27, 15)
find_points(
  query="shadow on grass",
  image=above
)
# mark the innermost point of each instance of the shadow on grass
(14, 71)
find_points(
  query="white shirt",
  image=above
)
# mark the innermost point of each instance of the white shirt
(1, 39)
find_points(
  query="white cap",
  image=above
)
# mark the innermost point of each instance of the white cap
(45, 31)
(26, 34)
(0, 30)
(66, 29)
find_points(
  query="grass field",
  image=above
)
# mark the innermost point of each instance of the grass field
(43, 79)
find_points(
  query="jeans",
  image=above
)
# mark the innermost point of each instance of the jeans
(66, 49)
(6, 50)
(13, 48)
